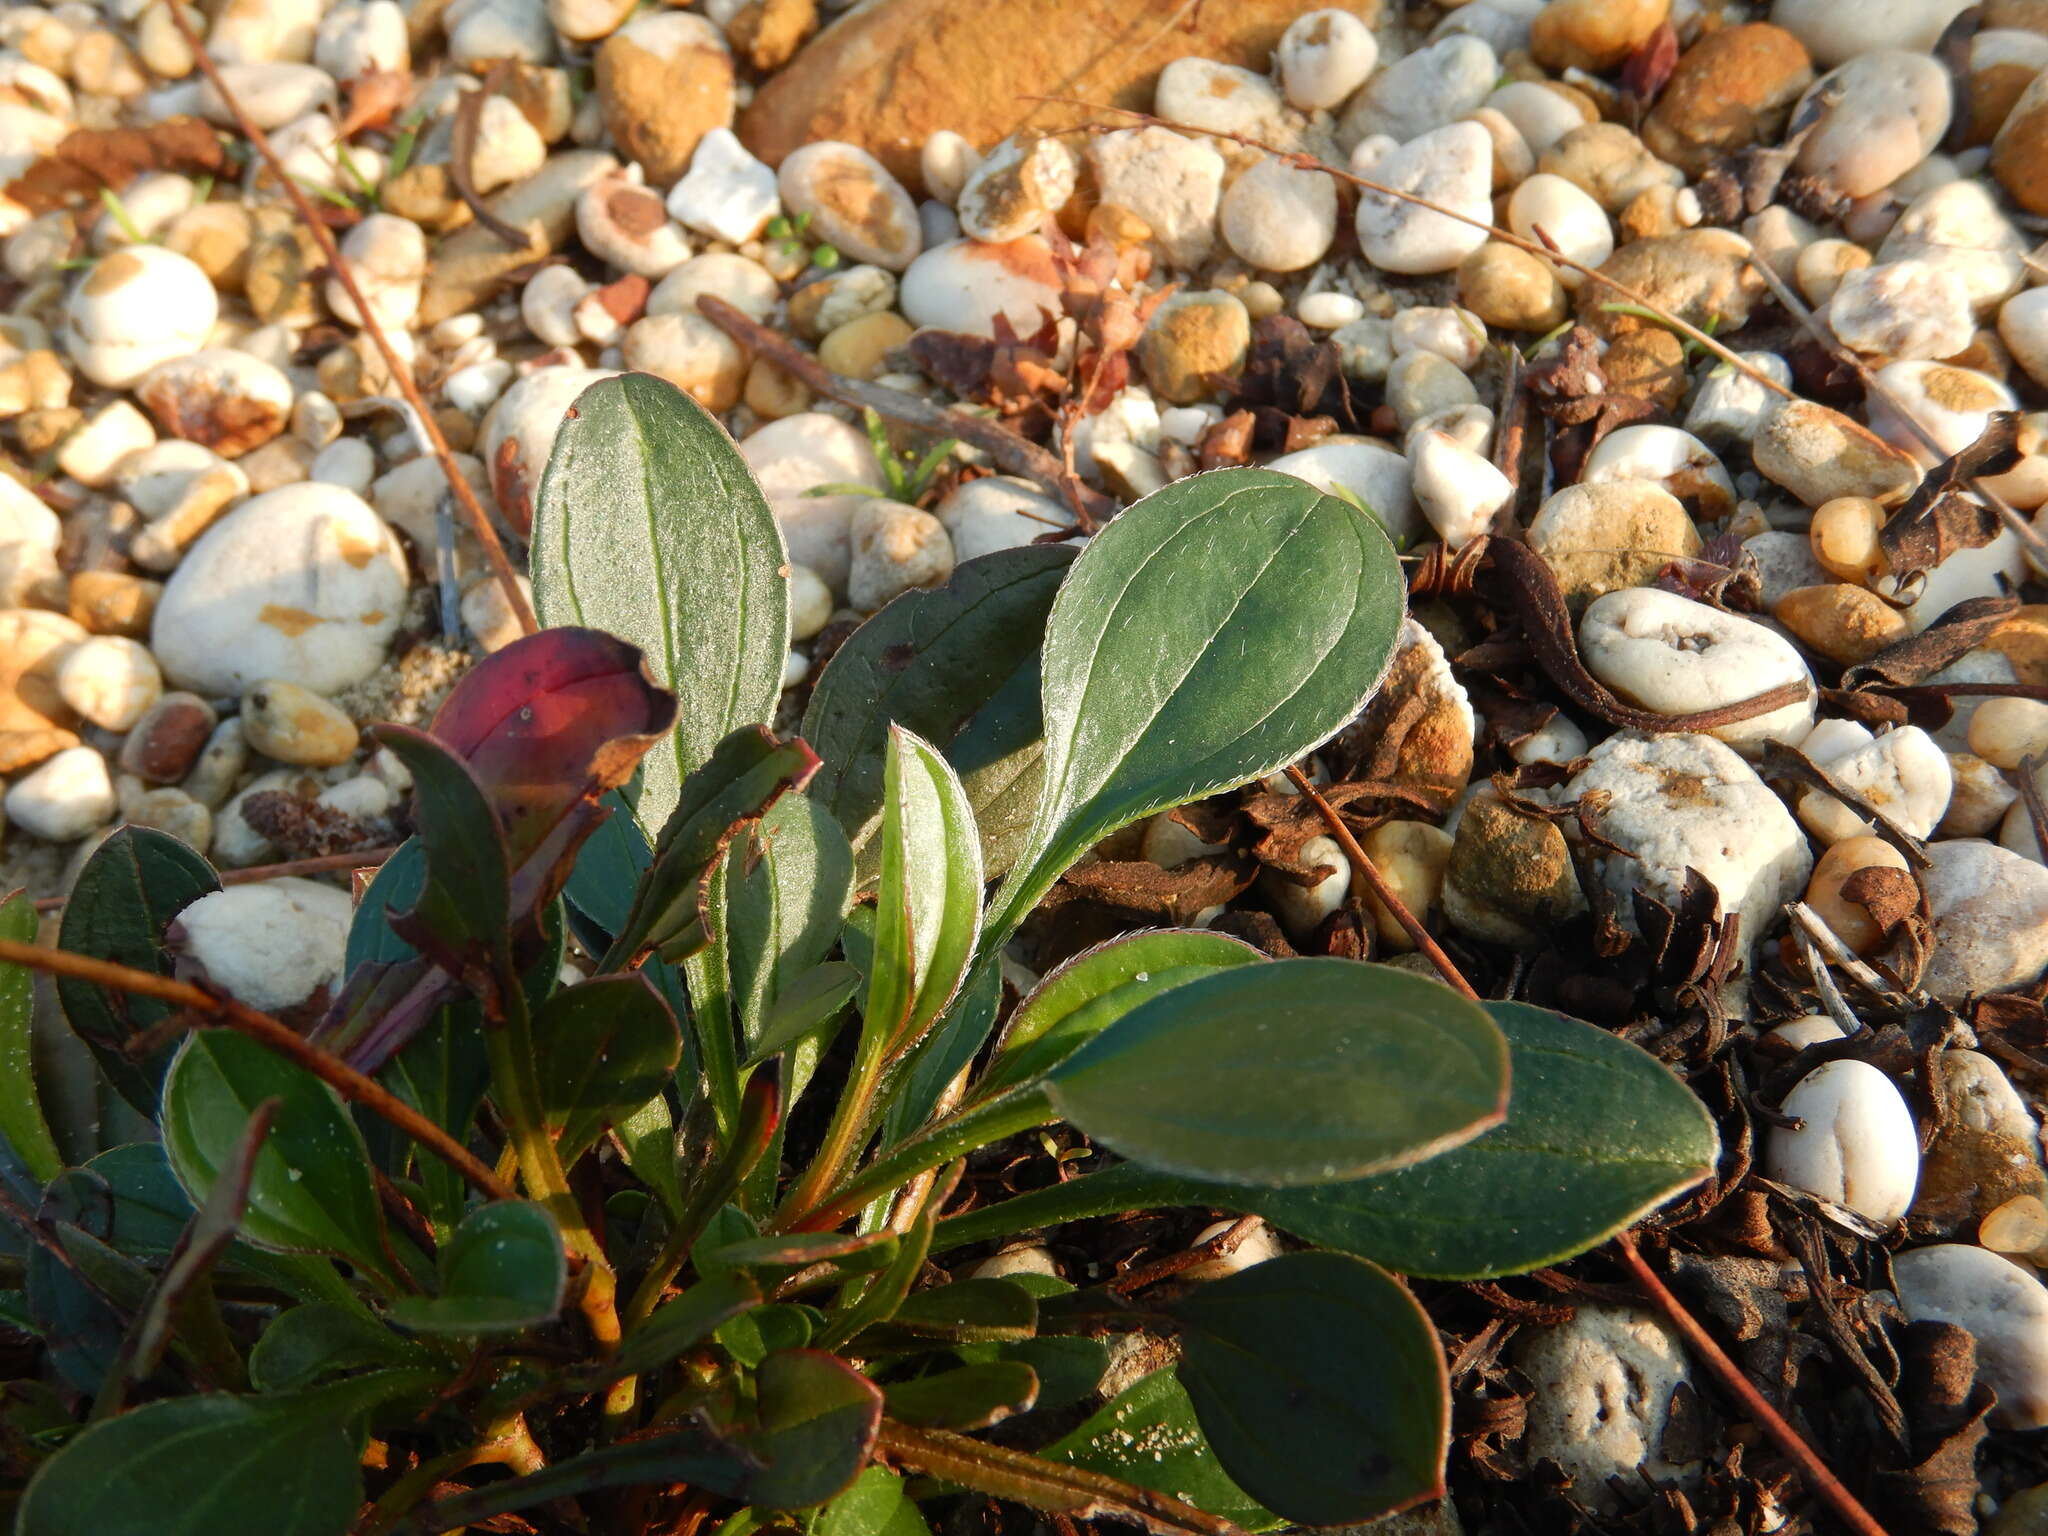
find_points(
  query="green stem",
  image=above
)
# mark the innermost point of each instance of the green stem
(938, 1144)
(843, 1137)
(516, 1087)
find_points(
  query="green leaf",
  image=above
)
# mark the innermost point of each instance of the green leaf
(308, 1344)
(1214, 632)
(132, 886)
(608, 867)
(676, 1325)
(944, 1054)
(800, 1250)
(928, 908)
(1288, 1073)
(810, 1001)
(312, 1189)
(1000, 757)
(503, 1270)
(753, 1336)
(788, 879)
(647, 1138)
(194, 1466)
(21, 1106)
(443, 1073)
(1069, 1368)
(1096, 988)
(1320, 1385)
(971, 1397)
(462, 917)
(650, 525)
(874, 1506)
(748, 772)
(927, 662)
(817, 1422)
(1598, 1133)
(1148, 1434)
(602, 1049)
(969, 1312)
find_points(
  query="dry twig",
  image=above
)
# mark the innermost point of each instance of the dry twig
(279, 1037)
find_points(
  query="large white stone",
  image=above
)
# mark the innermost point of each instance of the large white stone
(304, 583)
(1451, 166)
(2004, 1308)
(1604, 1384)
(1689, 802)
(271, 944)
(1902, 773)
(964, 284)
(1990, 911)
(1369, 470)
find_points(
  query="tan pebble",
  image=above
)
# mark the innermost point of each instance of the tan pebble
(175, 812)
(1850, 920)
(1844, 538)
(291, 724)
(40, 431)
(772, 392)
(160, 545)
(1733, 88)
(1648, 364)
(110, 680)
(2019, 1228)
(1512, 289)
(1821, 266)
(2019, 155)
(1116, 224)
(1845, 623)
(215, 237)
(2005, 732)
(2023, 639)
(1412, 857)
(858, 347)
(1191, 337)
(1593, 35)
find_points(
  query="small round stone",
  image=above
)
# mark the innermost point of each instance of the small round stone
(64, 799)
(1857, 1145)
(1278, 217)
(1509, 288)
(110, 681)
(291, 724)
(1843, 622)
(1850, 920)
(1844, 538)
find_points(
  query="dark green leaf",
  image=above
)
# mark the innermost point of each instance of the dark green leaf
(1320, 1385)
(600, 888)
(462, 916)
(818, 1418)
(443, 1073)
(132, 886)
(647, 1138)
(602, 1049)
(1214, 632)
(503, 1270)
(753, 1336)
(969, 1311)
(308, 1344)
(927, 662)
(1148, 1435)
(972, 1397)
(312, 1189)
(21, 1106)
(1095, 989)
(1000, 757)
(1069, 1369)
(675, 1326)
(195, 1466)
(82, 1329)
(395, 887)
(1598, 1133)
(1288, 1073)
(650, 525)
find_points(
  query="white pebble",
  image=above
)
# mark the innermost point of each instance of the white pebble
(1858, 1146)
(2003, 1307)
(110, 680)
(65, 798)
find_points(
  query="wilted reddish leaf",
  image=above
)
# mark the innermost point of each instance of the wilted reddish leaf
(1644, 75)
(91, 158)
(555, 718)
(374, 99)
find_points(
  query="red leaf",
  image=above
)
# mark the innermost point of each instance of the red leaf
(555, 718)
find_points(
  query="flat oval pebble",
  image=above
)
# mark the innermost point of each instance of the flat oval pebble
(1670, 654)
(1891, 109)
(304, 583)
(1450, 165)
(964, 284)
(1858, 1146)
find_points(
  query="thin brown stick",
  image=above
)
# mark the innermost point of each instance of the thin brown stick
(323, 864)
(472, 510)
(1307, 162)
(281, 1038)
(1789, 1440)
(1382, 892)
(1011, 452)
(1873, 385)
